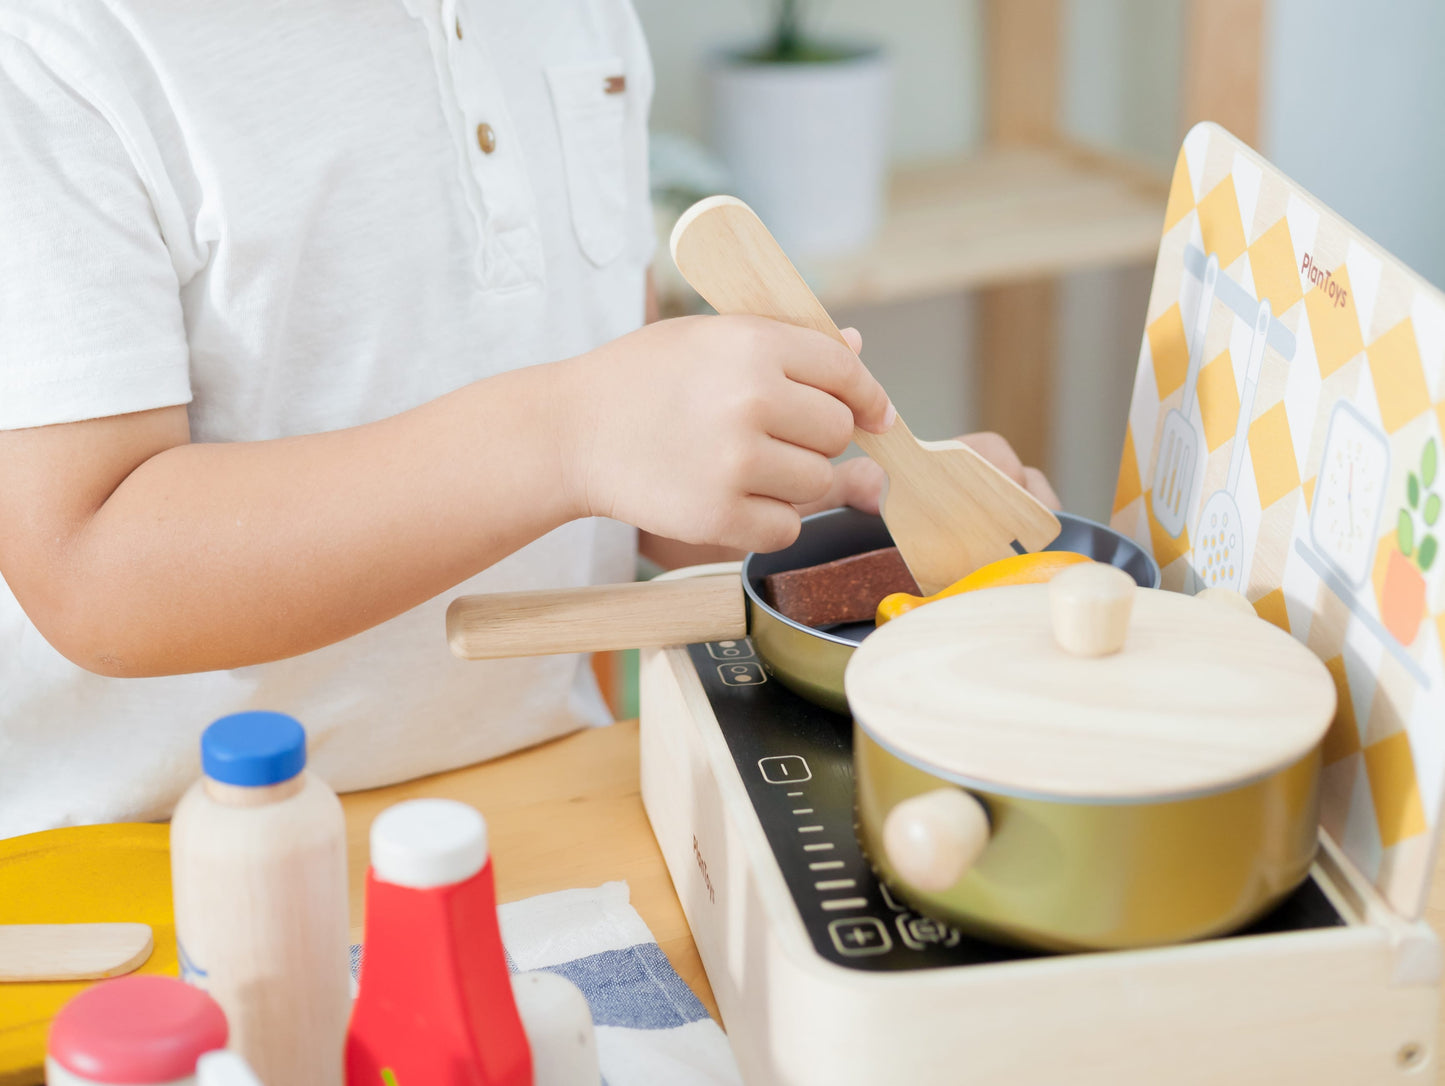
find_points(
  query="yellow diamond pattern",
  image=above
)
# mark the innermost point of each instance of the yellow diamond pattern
(1272, 452)
(1335, 327)
(1390, 766)
(1181, 194)
(1399, 376)
(1169, 350)
(1218, 401)
(1219, 223)
(1129, 486)
(1271, 260)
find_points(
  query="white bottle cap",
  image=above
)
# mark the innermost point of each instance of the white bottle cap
(558, 1024)
(424, 843)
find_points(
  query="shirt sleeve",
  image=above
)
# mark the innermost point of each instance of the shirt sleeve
(90, 314)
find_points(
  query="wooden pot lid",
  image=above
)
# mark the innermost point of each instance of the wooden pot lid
(1200, 698)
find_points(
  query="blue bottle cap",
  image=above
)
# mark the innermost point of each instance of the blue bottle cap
(253, 749)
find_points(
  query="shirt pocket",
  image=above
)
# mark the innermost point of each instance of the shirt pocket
(591, 104)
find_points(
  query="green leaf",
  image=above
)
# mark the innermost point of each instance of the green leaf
(1412, 490)
(1427, 553)
(1427, 463)
(1405, 533)
(1432, 510)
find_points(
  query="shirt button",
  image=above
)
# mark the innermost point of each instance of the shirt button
(486, 138)
(459, 30)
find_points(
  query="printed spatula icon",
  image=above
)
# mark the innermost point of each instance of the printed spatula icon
(948, 509)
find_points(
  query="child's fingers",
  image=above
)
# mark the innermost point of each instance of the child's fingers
(857, 482)
(762, 524)
(812, 358)
(1037, 484)
(810, 418)
(998, 452)
(854, 338)
(861, 484)
(786, 472)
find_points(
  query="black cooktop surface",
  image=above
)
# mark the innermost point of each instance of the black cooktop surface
(796, 761)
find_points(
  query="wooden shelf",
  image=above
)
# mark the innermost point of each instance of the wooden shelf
(1003, 214)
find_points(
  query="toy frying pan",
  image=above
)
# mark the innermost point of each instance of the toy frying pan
(721, 607)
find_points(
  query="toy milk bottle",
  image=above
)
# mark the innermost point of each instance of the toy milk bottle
(435, 1006)
(258, 869)
(137, 1029)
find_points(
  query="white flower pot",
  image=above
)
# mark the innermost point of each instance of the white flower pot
(806, 145)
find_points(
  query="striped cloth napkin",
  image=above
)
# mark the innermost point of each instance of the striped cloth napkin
(651, 1029)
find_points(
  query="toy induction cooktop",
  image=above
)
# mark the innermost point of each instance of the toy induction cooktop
(1283, 440)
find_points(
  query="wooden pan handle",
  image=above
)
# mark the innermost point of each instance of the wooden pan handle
(598, 619)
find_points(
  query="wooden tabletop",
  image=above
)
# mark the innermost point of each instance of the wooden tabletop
(568, 814)
(562, 815)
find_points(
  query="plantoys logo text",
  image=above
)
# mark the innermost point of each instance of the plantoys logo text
(1324, 280)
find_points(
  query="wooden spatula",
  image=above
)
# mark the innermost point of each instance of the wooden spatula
(948, 509)
(32, 952)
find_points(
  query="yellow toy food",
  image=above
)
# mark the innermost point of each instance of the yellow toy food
(1033, 568)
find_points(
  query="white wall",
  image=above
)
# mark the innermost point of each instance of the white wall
(1354, 110)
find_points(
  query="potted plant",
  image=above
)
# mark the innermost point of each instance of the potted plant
(801, 122)
(1402, 597)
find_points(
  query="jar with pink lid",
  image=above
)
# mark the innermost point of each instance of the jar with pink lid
(140, 1030)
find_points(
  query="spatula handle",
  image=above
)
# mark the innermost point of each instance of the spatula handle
(598, 619)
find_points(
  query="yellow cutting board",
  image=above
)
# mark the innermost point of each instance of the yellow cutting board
(82, 874)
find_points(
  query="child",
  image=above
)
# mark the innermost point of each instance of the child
(313, 316)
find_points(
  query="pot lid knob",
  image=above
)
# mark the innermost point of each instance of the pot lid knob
(1089, 608)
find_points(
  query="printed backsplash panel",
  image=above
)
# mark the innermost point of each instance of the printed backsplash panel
(1285, 440)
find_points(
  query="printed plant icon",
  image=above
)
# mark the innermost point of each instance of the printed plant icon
(1402, 599)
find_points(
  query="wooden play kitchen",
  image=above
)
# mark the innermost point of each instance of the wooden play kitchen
(1016, 798)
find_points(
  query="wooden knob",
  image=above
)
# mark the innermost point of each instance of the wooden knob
(1089, 607)
(933, 838)
(1228, 598)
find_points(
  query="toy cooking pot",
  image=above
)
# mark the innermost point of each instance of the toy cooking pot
(723, 606)
(1088, 764)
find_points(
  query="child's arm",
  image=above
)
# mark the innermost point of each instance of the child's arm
(136, 552)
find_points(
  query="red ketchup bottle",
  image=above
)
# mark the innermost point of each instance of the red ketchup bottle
(435, 1006)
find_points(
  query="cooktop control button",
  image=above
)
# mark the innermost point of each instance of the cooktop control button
(785, 769)
(746, 674)
(918, 932)
(890, 900)
(730, 650)
(860, 936)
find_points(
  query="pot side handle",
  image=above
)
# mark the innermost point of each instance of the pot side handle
(600, 618)
(933, 838)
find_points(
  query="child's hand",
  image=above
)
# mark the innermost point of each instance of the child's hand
(859, 482)
(714, 429)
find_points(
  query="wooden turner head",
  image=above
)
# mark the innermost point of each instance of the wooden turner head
(948, 509)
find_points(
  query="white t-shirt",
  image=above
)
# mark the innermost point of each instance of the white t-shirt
(282, 215)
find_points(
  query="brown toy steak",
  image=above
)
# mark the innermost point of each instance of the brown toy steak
(847, 590)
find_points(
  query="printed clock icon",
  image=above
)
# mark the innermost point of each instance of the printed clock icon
(1350, 493)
